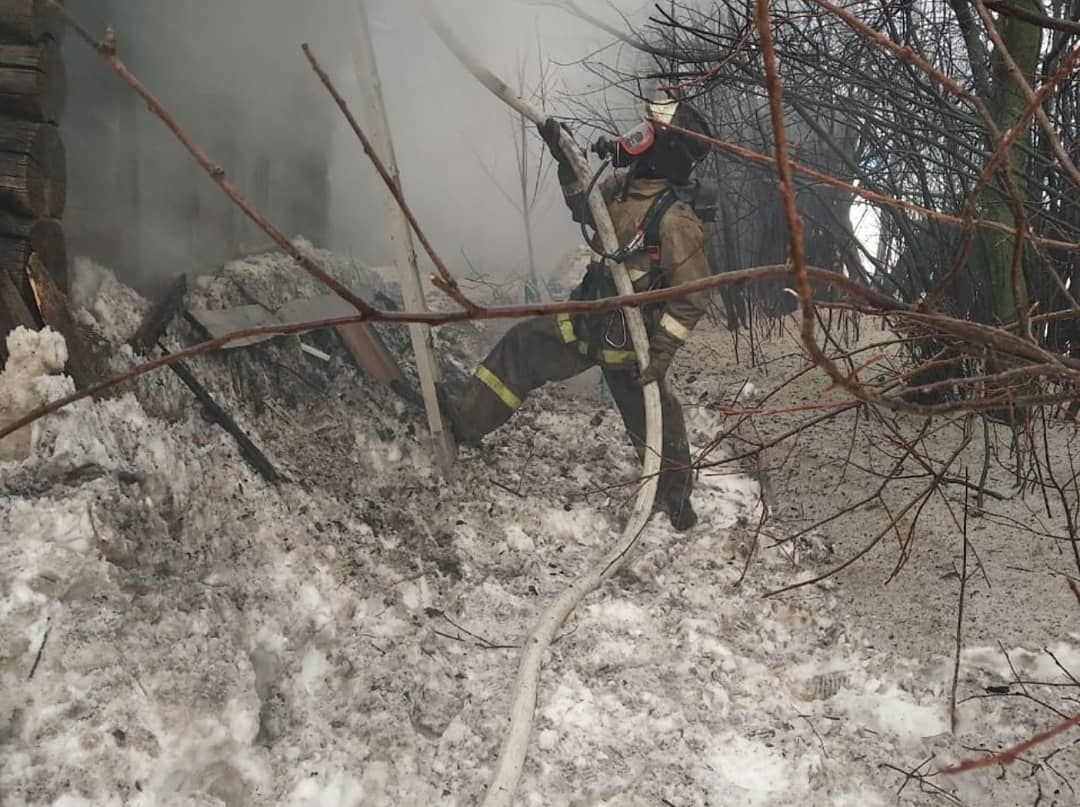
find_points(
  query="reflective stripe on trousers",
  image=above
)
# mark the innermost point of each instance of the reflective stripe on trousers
(496, 385)
(604, 355)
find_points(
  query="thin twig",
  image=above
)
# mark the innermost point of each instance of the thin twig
(960, 614)
(40, 650)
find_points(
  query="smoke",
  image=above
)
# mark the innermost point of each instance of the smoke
(233, 74)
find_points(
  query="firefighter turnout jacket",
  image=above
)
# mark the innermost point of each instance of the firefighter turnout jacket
(677, 258)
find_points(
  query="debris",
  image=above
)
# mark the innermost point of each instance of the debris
(13, 310)
(158, 319)
(361, 339)
(83, 365)
(40, 652)
(214, 413)
(314, 351)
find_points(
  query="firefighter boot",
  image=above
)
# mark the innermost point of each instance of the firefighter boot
(681, 513)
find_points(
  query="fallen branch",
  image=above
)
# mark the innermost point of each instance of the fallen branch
(1010, 754)
(877, 302)
(432, 318)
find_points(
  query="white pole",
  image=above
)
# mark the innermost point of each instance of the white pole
(367, 74)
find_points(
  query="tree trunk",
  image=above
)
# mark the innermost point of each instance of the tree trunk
(1007, 103)
(33, 83)
(33, 179)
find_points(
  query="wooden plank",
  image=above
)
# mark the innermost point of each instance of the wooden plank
(367, 73)
(33, 82)
(218, 323)
(362, 340)
(27, 22)
(369, 353)
(33, 173)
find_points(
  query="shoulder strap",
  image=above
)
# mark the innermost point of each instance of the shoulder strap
(650, 225)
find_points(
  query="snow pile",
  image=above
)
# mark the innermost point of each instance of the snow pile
(175, 632)
(113, 309)
(28, 382)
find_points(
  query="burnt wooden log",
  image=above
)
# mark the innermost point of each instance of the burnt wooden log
(157, 320)
(33, 82)
(213, 412)
(33, 174)
(28, 22)
(13, 312)
(20, 238)
(84, 366)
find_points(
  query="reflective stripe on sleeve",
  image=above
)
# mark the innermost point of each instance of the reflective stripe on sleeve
(674, 327)
(495, 384)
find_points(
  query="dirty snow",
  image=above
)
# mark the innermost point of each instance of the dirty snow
(176, 632)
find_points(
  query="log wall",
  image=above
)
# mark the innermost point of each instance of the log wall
(33, 175)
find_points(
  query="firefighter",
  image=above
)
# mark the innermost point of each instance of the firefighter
(661, 245)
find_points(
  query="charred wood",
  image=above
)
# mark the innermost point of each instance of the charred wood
(29, 21)
(159, 317)
(33, 178)
(22, 237)
(33, 82)
(215, 414)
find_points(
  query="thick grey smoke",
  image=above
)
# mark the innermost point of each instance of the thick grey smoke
(233, 73)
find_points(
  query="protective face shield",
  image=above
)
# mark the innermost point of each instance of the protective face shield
(632, 144)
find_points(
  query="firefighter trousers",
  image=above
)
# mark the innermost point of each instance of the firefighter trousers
(545, 349)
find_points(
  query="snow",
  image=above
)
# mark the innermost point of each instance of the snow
(349, 638)
(26, 383)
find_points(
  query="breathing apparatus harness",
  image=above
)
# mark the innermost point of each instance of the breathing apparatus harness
(609, 331)
(628, 151)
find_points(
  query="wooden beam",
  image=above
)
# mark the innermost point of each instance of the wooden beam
(369, 353)
(33, 82)
(367, 73)
(33, 173)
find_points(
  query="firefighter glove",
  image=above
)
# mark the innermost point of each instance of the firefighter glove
(661, 352)
(654, 372)
(550, 130)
